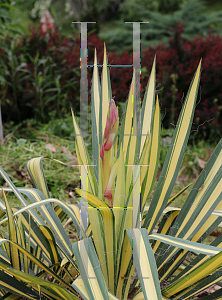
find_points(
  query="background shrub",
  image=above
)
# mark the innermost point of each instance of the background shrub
(41, 77)
(196, 16)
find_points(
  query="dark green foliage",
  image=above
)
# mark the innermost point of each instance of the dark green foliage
(40, 74)
(5, 17)
(40, 80)
(133, 10)
(39, 77)
(191, 13)
(7, 25)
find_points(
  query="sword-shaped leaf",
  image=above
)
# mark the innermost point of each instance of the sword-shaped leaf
(186, 244)
(35, 169)
(56, 290)
(106, 94)
(83, 155)
(55, 257)
(125, 259)
(79, 286)
(148, 105)
(126, 128)
(34, 260)
(14, 253)
(109, 231)
(153, 158)
(201, 204)
(49, 214)
(15, 288)
(23, 201)
(215, 278)
(96, 143)
(174, 156)
(195, 276)
(145, 263)
(90, 270)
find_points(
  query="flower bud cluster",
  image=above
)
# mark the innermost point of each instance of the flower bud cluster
(112, 124)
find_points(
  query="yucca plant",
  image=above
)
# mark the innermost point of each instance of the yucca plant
(126, 247)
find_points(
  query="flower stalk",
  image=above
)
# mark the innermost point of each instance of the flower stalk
(111, 129)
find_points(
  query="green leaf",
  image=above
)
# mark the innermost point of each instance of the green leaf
(90, 270)
(147, 110)
(108, 229)
(96, 99)
(185, 244)
(58, 291)
(152, 161)
(196, 275)
(14, 254)
(145, 263)
(174, 156)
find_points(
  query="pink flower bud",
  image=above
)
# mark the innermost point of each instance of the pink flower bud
(108, 144)
(108, 193)
(102, 151)
(47, 23)
(113, 112)
(107, 130)
(112, 124)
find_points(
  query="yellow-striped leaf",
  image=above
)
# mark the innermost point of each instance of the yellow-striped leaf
(90, 270)
(34, 260)
(148, 105)
(153, 158)
(55, 257)
(58, 291)
(199, 273)
(14, 254)
(36, 173)
(174, 156)
(105, 93)
(95, 96)
(145, 263)
(109, 230)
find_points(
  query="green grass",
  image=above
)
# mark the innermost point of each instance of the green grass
(61, 180)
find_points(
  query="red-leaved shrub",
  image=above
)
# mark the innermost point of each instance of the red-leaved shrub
(175, 68)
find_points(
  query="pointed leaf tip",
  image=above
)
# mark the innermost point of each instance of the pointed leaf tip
(95, 57)
(154, 61)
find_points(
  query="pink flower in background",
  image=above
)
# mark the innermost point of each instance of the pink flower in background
(47, 23)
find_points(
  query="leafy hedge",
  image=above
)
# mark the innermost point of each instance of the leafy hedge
(175, 66)
(197, 17)
(178, 60)
(40, 77)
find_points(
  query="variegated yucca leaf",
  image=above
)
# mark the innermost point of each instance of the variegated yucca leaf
(126, 247)
(174, 156)
(145, 263)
